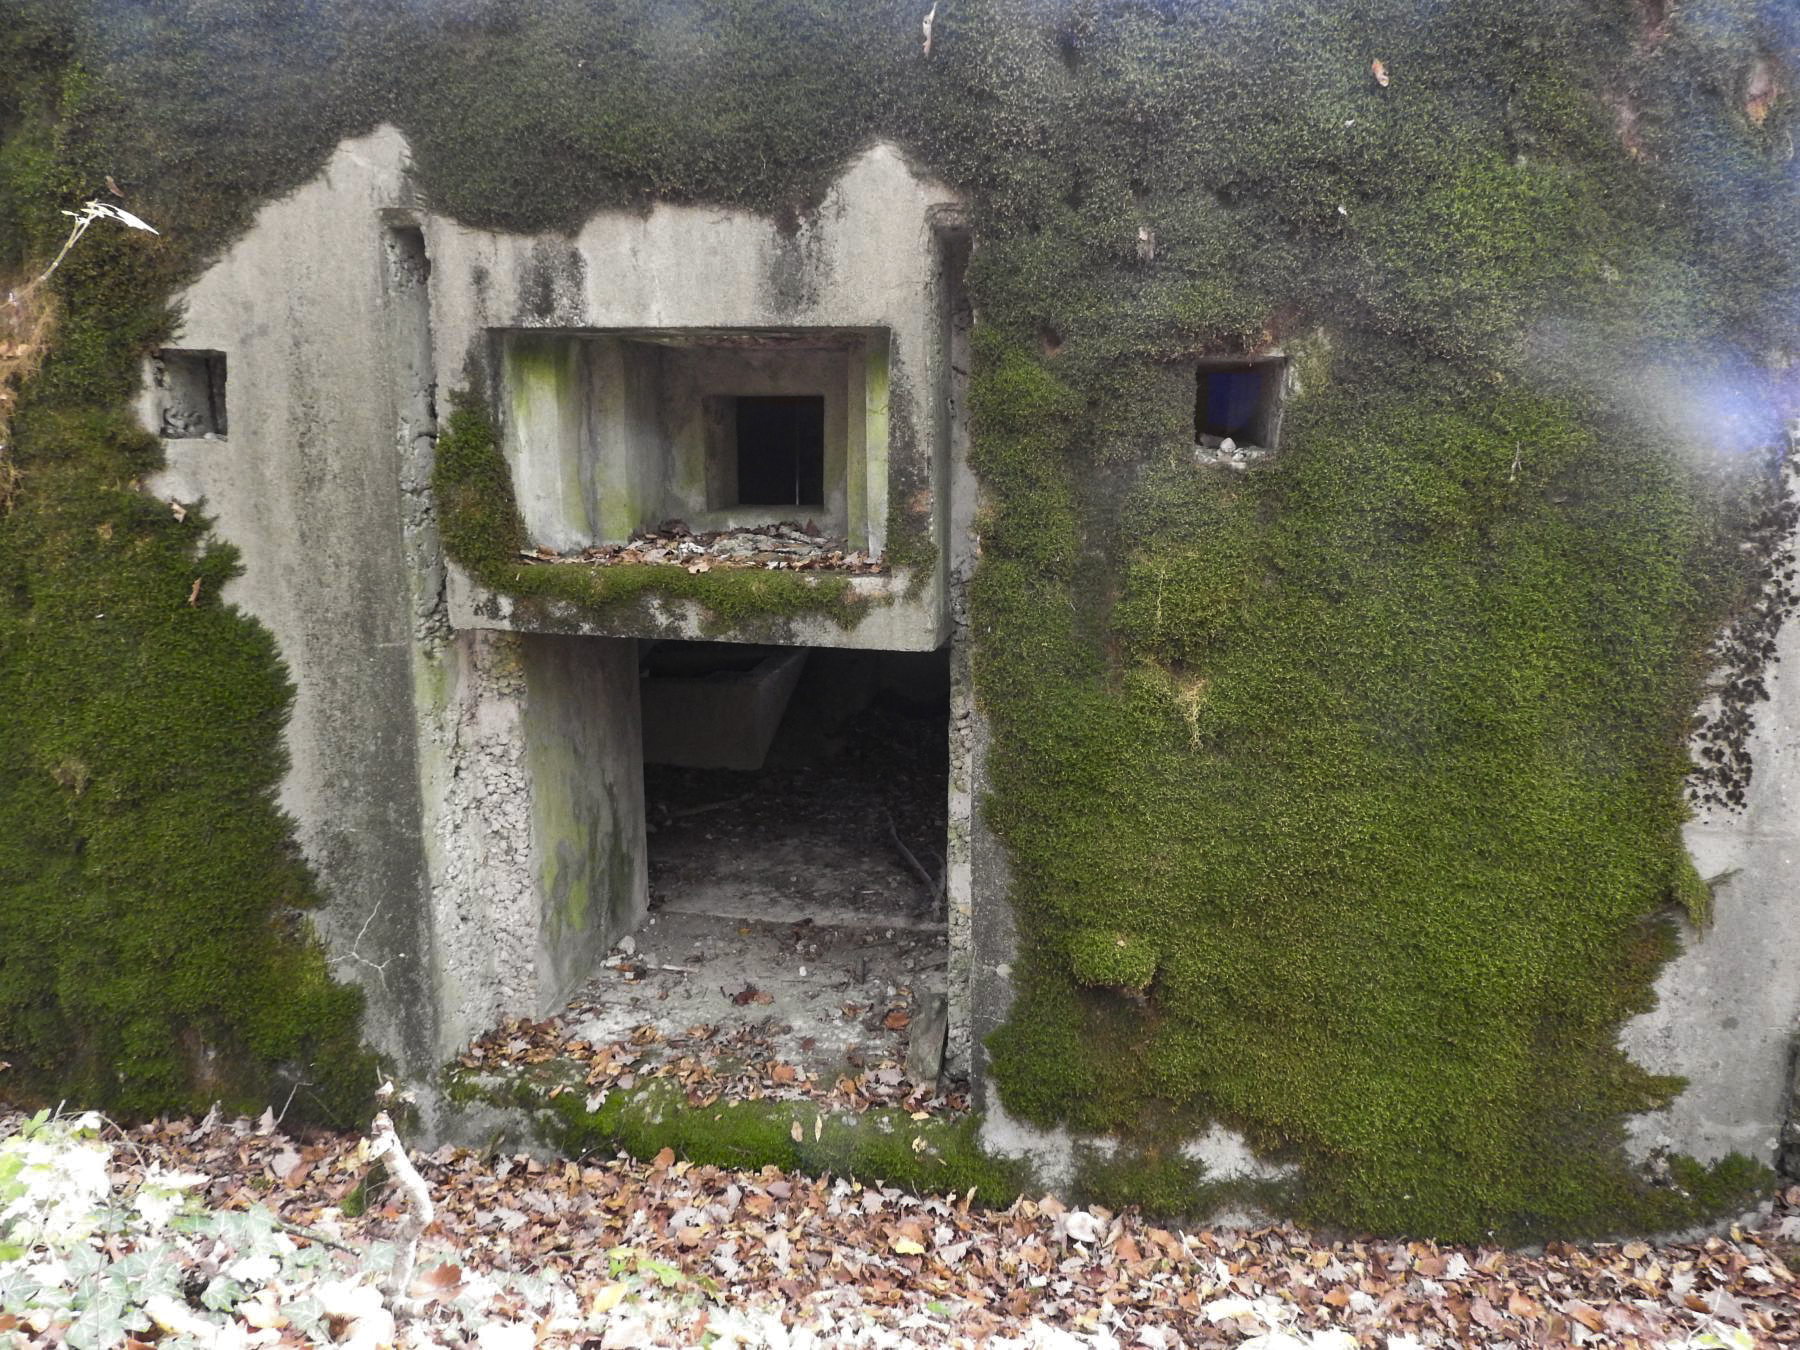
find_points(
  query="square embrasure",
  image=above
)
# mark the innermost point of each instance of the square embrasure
(190, 392)
(1239, 401)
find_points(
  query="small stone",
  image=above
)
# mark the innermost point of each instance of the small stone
(628, 945)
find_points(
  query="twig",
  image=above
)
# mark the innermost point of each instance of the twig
(912, 862)
(319, 1238)
(83, 218)
(289, 1102)
(679, 813)
(420, 1211)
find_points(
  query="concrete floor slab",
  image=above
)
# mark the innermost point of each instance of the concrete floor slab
(829, 1000)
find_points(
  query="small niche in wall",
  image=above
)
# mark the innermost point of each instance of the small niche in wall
(611, 432)
(1239, 401)
(190, 393)
(780, 450)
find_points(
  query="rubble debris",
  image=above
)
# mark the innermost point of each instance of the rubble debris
(1227, 453)
(716, 1061)
(784, 546)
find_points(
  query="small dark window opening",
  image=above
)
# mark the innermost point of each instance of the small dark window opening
(191, 385)
(781, 451)
(1230, 403)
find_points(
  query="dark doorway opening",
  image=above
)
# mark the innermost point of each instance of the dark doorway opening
(791, 784)
(1241, 402)
(796, 805)
(781, 450)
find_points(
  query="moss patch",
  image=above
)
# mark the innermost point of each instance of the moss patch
(150, 954)
(1105, 956)
(880, 1145)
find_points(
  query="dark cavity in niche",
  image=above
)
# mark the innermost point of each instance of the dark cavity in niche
(781, 451)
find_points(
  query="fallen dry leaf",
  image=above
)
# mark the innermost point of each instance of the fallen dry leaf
(1380, 72)
(607, 1298)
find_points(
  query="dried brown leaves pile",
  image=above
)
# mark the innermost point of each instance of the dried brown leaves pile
(783, 547)
(900, 1269)
(711, 1063)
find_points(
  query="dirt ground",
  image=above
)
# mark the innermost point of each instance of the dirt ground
(830, 1000)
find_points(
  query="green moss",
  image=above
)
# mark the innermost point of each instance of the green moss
(151, 957)
(1378, 746)
(1104, 956)
(879, 1145)
(140, 968)
(1689, 890)
(1324, 676)
(478, 516)
(1160, 1181)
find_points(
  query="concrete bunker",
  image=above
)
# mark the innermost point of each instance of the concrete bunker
(467, 767)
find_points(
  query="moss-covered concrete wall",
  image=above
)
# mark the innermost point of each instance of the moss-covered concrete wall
(1369, 764)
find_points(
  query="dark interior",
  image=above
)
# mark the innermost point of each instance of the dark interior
(1231, 403)
(844, 823)
(781, 450)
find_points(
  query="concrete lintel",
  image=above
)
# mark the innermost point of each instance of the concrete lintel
(891, 620)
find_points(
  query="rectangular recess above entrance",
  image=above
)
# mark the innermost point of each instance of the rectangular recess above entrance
(612, 431)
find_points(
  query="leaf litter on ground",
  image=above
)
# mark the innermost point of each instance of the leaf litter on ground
(608, 1252)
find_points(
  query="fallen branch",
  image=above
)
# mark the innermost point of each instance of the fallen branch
(419, 1213)
(297, 1231)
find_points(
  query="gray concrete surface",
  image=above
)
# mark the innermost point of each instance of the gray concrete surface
(583, 753)
(1728, 1007)
(307, 484)
(718, 719)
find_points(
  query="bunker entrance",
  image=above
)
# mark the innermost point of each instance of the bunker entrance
(795, 785)
(795, 813)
